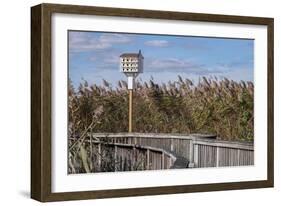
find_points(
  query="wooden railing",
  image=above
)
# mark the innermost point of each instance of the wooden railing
(128, 157)
(198, 150)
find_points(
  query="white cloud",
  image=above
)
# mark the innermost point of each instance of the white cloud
(114, 38)
(112, 59)
(174, 65)
(169, 63)
(106, 57)
(84, 41)
(237, 74)
(157, 43)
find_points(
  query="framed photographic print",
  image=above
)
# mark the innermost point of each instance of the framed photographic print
(129, 102)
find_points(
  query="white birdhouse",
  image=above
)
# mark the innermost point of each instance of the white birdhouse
(131, 64)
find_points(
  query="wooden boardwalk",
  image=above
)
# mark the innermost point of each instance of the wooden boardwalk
(164, 151)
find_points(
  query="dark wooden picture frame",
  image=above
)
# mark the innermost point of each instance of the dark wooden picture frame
(41, 117)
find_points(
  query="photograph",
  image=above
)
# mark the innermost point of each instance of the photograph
(133, 102)
(154, 101)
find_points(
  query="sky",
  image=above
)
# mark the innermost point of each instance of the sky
(94, 56)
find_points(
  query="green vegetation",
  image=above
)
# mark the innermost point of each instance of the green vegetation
(222, 107)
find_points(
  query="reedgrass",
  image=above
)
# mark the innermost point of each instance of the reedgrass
(223, 107)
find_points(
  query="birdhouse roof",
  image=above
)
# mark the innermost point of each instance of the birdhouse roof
(132, 54)
(129, 55)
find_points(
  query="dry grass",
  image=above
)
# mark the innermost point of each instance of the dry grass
(222, 107)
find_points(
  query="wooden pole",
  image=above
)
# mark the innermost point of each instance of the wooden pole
(130, 110)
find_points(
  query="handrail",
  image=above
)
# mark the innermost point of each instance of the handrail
(196, 138)
(134, 146)
(175, 162)
(198, 150)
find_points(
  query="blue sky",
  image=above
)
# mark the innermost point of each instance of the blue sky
(94, 56)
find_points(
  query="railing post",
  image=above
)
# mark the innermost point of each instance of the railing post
(115, 158)
(133, 160)
(170, 162)
(163, 161)
(147, 159)
(99, 156)
(195, 155)
(91, 150)
(172, 144)
(218, 157)
(191, 158)
(238, 158)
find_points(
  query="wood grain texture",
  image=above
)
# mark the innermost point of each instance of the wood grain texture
(199, 151)
(36, 181)
(270, 102)
(41, 101)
